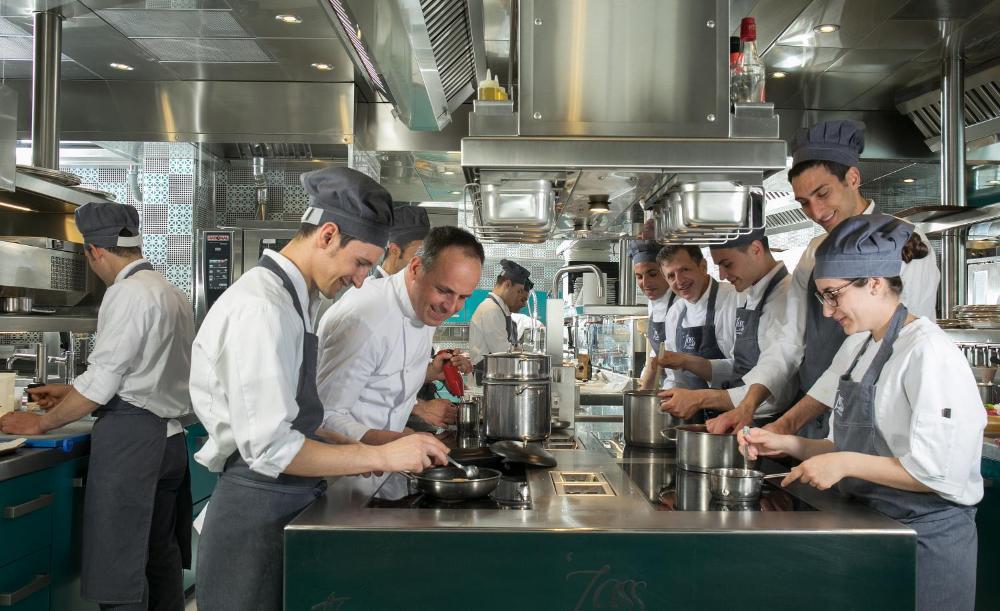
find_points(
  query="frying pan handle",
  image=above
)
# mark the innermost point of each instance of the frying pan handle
(665, 433)
(408, 476)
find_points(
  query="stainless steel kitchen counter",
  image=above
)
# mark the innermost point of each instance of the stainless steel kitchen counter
(629, 511)
(28, 460)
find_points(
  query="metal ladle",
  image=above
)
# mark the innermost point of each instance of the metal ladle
(471, 471)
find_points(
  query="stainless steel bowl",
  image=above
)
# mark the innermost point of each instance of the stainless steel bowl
(735, 485)
(699, 450)
(517, 366)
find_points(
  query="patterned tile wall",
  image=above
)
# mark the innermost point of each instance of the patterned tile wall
(235, 196)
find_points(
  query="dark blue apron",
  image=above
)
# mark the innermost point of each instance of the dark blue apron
(657, 330)
(137, 508)
(479, 369)
(241, 550)
(823, 338)
(946, 532)
(700, 341)
(746, 348)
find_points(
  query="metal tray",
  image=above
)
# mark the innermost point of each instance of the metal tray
(528, 203)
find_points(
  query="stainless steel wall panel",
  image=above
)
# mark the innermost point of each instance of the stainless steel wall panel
(624, 68)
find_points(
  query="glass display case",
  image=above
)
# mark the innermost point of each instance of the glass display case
(614, 340)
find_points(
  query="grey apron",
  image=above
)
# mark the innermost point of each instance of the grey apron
(946, 532)
(137, 508)
(241, 550)
(823, 339)
(746, 348)
(657, 330)
(378, 272)
(700, 341)
(479, 369)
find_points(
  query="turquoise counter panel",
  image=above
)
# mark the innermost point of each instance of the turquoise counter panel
(587, 570)
(464, 315)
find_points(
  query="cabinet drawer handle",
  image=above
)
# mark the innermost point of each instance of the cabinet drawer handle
(9, 599)
(13, 512)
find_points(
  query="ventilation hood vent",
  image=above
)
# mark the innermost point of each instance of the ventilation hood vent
(416, 53)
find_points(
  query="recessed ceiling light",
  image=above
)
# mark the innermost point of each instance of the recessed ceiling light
(322, 67)
(779, 74)
(122, 67)
(13, 207)
(448, 172)
(993, 182)
(456, 192)
(288, 18)
(909, 180)
(826, 28)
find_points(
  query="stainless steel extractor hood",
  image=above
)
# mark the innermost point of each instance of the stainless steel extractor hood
(600, 121)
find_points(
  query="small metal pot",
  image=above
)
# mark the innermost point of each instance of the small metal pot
(469, 422)
(699, 450)
(989, 392)
(646, 425)
(517, 410)
(517, 366)
(16, 305)
(737, 485)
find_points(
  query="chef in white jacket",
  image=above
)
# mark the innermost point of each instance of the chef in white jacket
(375, 343)
(253, 386)
(700, 324)
(907, 425)
(137, 510)
(826, 181)
(651, 281)
(492, 328)
(762, 282)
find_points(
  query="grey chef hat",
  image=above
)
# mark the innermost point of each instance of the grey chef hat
(643, 251)
(357, 204)
(840, 141)
(107, 225)
(756, 220)
(409, 223)
(864, 246)
(515, 273)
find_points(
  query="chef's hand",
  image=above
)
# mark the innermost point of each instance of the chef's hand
(50, 395)
(761, 442)
(461, 360)
(731, 421)
(439, 412)
(413, 453)
(780, 426)
(821, 471)
(680, 402)
(671, 360)
(435, 370)
(22, 423)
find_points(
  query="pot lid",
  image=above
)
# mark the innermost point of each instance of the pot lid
(526, 453)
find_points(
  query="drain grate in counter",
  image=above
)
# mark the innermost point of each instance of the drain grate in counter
(581, 483)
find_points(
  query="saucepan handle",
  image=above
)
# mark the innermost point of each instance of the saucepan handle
(665, 433)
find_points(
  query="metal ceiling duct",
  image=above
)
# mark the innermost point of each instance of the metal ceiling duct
(418, 54)
(596, 119)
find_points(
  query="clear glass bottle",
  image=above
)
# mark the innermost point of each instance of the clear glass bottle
(746, 83)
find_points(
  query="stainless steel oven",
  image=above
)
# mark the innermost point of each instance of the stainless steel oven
(223, 254)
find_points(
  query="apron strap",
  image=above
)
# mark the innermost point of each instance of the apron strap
(272, 266)
(142, 267)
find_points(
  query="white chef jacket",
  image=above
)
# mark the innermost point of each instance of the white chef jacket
(245, 370)
(142, 353)
(373, 358)
(488, 329)
(925, 375)
(920, 290)
(769, 340)
(725, 322)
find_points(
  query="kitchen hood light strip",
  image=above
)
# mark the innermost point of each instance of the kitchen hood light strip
(13, 207)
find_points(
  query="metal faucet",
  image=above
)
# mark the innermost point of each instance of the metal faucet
(39, 357)
(582, 267)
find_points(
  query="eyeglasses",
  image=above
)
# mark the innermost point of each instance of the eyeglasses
(832, 297)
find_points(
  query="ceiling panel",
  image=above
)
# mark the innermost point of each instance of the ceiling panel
(70, 70)
(89, 40)
(803, 59)
(872, 60)
(938, 9)
(259, 18)
(292, 59)
(917, 34)
(773, 17)
(834, 90)
(143, 23)
(883, 93)
(856, 20)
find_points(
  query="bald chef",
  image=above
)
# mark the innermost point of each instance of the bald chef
(137, 509)
(253, 384)
(492, 328)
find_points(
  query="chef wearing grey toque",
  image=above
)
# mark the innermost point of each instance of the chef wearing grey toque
(253, 386)
(826, 181)
(907, 426)
(137, 509)
(492, 328)
(409, 228)
(762, 286)
(659, 298)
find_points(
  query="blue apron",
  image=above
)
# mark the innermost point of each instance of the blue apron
(823, 338)
(657, 330)
(700, 341)
(137, 508)
(241, 550)
(946, 532)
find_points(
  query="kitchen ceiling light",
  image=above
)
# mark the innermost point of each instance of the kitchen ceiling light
(322, 67)
(288, 18)
(13, 207)
(122, 67)
(779, 74)
(599, 207)
(909, 180)
(448, 172)
(456, 192)
(993, 182)
(826, 28)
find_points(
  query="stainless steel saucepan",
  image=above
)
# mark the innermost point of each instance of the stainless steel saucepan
(451, 483)
(737, 485)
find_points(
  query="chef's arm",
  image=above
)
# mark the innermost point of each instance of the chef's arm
(799, 415)
(698, 365)
(376, 437)
(318, 459)
(73, 407)
(882, 470)
(648, 377)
